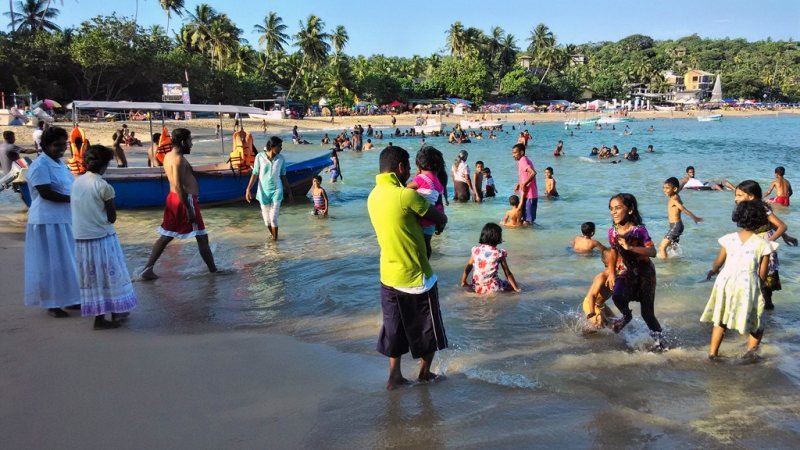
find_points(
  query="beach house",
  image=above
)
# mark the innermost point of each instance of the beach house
(698, 80)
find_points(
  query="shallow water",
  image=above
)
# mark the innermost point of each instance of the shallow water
(520, 368)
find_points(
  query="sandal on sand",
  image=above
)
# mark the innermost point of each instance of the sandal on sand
(106, 325)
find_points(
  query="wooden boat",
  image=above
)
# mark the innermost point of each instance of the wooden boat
(139, 187)
(711, 118)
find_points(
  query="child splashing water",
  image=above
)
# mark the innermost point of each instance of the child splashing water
(594, 304)
(426, 183)
(736, 300)
(631, 274)
(484, 259)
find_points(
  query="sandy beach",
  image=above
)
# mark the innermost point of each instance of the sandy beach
(66, 387)
(101, 132)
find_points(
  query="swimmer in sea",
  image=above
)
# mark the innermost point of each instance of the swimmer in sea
(783, 189)
(585, 243)
(550, 184)
(690, 182)
(633, 155)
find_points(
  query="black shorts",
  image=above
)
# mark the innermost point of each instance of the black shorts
(674, 233)
(410, 321)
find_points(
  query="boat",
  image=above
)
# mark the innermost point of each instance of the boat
(430, 126)
(711, 118)
(607, 120)
(140, 187)
(664, 108)
(480, 124)
(574, 122)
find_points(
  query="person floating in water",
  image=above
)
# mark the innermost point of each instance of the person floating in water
(690, 182)
(585, 243)
(674, 209)
(633, 155)
(484, 260)
(782, 187)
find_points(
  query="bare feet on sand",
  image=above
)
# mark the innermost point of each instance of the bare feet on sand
(430, 376)
(148, 274)
(395, 383)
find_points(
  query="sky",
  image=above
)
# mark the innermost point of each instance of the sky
(405, 28)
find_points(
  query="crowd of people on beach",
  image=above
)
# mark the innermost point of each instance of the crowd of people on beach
(73, 259)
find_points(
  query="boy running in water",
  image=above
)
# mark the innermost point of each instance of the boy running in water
(674, 209)
(783, 189)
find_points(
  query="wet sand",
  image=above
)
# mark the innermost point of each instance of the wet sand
(65, 386)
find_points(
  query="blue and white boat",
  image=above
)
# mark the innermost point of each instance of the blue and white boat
(711, 118)
(140, 187)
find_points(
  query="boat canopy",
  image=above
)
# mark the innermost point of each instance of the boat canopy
(152, 106)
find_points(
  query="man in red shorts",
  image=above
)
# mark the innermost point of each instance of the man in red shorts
(182, 217)
(782, 187)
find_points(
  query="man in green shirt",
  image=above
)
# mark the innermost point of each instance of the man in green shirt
(409, 296)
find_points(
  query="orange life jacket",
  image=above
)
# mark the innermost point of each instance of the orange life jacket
(75, 162)
(164, 145)
(243, 156)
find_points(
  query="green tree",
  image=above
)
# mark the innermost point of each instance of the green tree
(464, 78)
(339, 39)
(518, 83)
(381, 89)
(311, 41)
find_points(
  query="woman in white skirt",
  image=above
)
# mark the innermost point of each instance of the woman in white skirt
(51, 278)
(105, 284)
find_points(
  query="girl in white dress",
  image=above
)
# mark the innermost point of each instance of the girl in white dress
(736, 300)
(105, 283)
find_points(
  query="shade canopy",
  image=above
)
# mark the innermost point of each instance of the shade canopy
(152, 106)
(395, 104)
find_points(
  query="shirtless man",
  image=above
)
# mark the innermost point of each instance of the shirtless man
(119, 154)
(690, 182)
(550, 184)
(585, 243)
(783, 189)
(477, 182)
(182, 218)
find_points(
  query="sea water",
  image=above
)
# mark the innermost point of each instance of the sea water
(521, 371)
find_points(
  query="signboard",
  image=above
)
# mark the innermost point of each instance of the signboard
(171, 92)
(172, 89)
(186, 101)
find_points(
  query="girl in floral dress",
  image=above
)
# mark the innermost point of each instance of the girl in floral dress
(736, 300)
(484, 260)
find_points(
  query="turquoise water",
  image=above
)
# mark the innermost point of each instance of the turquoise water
(514, 358)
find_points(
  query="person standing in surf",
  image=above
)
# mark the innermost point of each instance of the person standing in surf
(462, 184)
(526, 185)
(182, 218)
(409, 295)
(270, 172)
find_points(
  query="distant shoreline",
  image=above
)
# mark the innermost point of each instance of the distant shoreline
(100, 132)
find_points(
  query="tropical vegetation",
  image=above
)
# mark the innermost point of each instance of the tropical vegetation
(115, 58)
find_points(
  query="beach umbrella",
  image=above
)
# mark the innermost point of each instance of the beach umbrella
(395, 104)
(47, 104)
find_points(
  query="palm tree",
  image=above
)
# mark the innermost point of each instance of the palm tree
(34, 15)
(433, 63)
(507, 53)
(199, 26)
(223, 38)
(455, 39)
(172, 6)
(245, 60)
(494, 42)
(11, 14)
(338, 80)
(271, 35)
(311, 41)
(339, 39)
(542, 47)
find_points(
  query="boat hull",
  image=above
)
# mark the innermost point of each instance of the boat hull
(149, 187)
(714, 118)
(429, 128)
(477, 125)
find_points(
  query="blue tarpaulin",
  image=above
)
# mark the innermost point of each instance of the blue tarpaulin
(457, 101)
